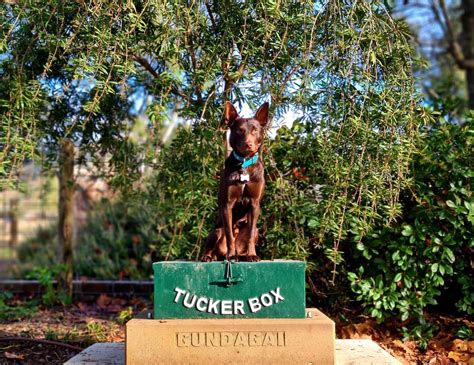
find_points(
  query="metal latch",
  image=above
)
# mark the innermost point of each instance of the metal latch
(229, 279)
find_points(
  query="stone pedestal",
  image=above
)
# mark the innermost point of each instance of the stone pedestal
(307, 340)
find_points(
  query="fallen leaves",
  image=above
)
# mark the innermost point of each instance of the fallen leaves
(443, 349)
(363, 330)
(13, 356)
(440, 360)
(111, 305)
(462, 352)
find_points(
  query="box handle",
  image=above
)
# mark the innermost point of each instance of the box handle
(229, 278)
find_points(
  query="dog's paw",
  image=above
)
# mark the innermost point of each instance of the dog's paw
(206, 258)
(253, 258)
(234, 258)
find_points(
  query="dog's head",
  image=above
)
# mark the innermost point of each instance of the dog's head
(246, 134)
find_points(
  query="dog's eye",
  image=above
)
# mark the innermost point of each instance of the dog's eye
(240, 131)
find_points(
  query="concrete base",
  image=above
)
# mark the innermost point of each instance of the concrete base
(362, 352)
(105, 353)
(348, 352)
(307, 340)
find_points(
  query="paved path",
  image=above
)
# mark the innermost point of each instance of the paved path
(348, 352)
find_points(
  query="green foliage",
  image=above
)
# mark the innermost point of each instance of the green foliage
(421, 331)
(183, 192)
(116, 242)
(46, 277)
(428, 254)
(345, 67)
(17, 311)
(465, 332)
(96, 331)
(354, 138)
(39, 250)
(52, 90)
(125, 315)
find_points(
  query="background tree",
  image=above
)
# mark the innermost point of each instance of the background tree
(54, 113)
(344, 144)
(345, 69)
(449, 46)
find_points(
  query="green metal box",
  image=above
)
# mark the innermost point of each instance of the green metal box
(266, 289)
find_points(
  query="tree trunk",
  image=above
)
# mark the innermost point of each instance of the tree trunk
(468, 46)
(65, 229)
(13, 243)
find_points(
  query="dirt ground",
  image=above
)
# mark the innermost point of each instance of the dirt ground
(51, 336)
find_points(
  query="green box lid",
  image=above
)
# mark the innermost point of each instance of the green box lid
(266, 289)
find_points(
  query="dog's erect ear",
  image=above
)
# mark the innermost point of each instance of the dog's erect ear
(262, 115)
(230, 114)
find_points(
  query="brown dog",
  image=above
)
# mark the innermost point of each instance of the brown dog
(240, 190)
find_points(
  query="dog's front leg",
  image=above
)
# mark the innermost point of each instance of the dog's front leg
(254, 214)
(226, 216)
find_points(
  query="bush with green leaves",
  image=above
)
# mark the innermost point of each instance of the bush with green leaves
(15, 311)
(345, 67)
(402, 269)
(40, 250)
(46, 276)
(117, 242)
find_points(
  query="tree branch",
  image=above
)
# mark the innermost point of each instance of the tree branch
(37, 340)
(211, 16)
(147, 66)
(454, 46)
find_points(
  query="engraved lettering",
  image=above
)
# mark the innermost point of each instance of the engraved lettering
(277, 295)
(281, 339)
(255, 338)
(269, 339)
(201, 304)
(179, 292)
(254, 305)
(213, 339)
(239, 307)
(266, 300)
(242, 339)
(231, 339)
(227, 339)
(183, 339)
(198, 339)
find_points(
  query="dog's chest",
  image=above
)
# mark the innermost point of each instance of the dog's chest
(241, 176)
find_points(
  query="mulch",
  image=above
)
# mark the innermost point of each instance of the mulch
(21, 352)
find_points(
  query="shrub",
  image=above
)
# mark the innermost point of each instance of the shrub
(429, 252)
(117, 242)
(39, 250)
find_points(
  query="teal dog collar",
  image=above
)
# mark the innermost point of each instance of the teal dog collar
(245, 162)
